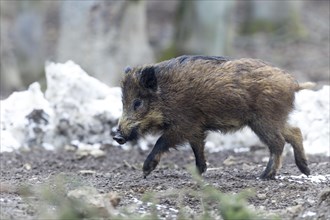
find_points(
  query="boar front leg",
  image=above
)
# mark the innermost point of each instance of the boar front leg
(162, 145)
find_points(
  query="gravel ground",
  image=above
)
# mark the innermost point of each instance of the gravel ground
(119, 171)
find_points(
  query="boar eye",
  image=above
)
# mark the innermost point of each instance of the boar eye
(136, 104)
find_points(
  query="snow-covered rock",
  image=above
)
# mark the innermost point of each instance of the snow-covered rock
(14, 121)
(311, 115)
(85, 109)
(77, 108)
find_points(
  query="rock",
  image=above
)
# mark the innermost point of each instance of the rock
(97, 153)
(247, 167)
(87, 149)
(87, 171)
(159, 188)
(299, 201)
(187, 211)
(27, 166)
(113, 198)
(70, 148)
(294, 209)
(93, 199)
(325, 196)
(261, 196)
(311, 201)
(230, 161)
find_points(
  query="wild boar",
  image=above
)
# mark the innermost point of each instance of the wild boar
(187, 96)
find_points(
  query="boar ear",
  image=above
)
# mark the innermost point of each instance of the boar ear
(127, 69)
(148, 78)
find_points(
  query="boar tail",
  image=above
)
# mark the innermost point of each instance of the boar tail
(305, 85)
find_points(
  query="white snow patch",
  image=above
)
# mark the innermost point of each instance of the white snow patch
(241, 149)
(316, 179)
(67, 82)
(143, 207)
(216, 141)
(311, 115)
(308, 214)
(13, 115)
(84, 146)
(8, 142)
(147, 142)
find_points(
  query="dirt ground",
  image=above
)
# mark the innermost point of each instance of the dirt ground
(120, 171)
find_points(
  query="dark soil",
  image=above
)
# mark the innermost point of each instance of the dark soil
(120, 171)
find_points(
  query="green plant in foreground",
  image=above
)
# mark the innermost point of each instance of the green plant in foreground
(228, 206)
(50, 200)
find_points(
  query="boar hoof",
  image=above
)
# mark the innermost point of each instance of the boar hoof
(201, 168)
(149, 166)
(267, 176)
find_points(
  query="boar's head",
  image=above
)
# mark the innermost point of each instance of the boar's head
(141, 107)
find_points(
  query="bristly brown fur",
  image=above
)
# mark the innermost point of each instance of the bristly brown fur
(187, 96)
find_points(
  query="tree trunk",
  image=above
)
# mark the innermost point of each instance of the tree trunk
(273, 16)
(104, 36)
(205, 27)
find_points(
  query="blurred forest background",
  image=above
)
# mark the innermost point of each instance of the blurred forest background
(104, 36)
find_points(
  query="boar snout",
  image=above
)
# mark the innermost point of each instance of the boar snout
(117, 136)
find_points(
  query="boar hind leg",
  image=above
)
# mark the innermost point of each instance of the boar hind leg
(162, 145)
(293, 136)
(198, 148)
(272, 137)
